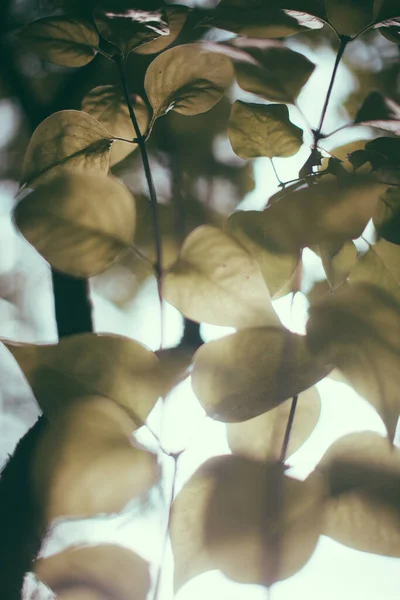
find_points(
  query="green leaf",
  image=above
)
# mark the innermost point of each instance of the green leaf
(359, 327)
(261, 438)
(379, 111)
(387, 215)
(61, 40)
(69, 140)
(216, 281)
(263, 130)
(269, 69)
(79, 223)
(363, 472)
(246, 228)
(176, 17)
(91, 364)
(85, 464)
(349, 17)
(247, 519)
(386, 13)
(329, 211)
(188, 79)
(93, 569)
(130, 28)
(338, 263)
(108, 105)
(252, 371)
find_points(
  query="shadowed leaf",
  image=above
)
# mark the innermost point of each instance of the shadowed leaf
(338, 263)
(387, 215)
(380, 266)
(379, 111)
(79, 223)
(349, 17)
(176, 17)
(252, 371)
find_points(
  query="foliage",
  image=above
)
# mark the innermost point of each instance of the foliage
(240, 513)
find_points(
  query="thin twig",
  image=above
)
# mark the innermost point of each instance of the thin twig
(289, 427)
(280, 182)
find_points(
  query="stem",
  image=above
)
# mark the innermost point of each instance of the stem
(280, 182)
(141, 140)
(289, 427)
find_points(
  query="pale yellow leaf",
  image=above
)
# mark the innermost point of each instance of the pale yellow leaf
(338, 264)
(379, 266)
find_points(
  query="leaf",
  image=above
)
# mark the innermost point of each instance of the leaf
(386, 13)
(387, 215)
(130, 28)
(380, 266)
(67, 140)
(246, 228)
(263, 130)
(359, 327)
(112, 366)
(363, 472)
(85, 464)
(349, 17)
(176, 17)
(261, 438)
(79, 223)
(329, 211)
(188, 79)
(93, 569)
(338, 263)
(107, 104)
(269, 69)
(252, 371)
(253, 19)
(379, 111)
(61, 40)
(247, 519)
(216, 281)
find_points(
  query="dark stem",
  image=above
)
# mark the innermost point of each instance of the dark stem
(141, 140)
(280, 182)
(289, 427)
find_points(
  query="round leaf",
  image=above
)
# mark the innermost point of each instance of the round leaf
(84, 463)
(67, 140)
(108, 105)
(348, 17)
(250, 372)
(62, 40)
(216, 281)
(188, 79)
(79, 223)
(263, 130)
(261, 438)
(107, 365)
(176, 17)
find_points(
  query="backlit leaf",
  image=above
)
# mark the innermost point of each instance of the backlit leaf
(107, 104)
(363, 472)
(79, 223)
(359, 326)
(263, 130)
(61, 40)
(188, 79)
(338, 263)
(387, 215)
(261, 438)
(379, 111)
(329, 211)
(85, 464)
(216, 281)
(92, 569)
(247, 519)
(67, 140)
(112, 366)
(176, 17)
(246, 228)
(349, 17)
(380, 266)
(250, 372)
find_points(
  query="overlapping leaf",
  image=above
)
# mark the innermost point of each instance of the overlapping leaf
(360, 327)
(349, 17)
(380, 266)
(107, 104)
(252, 371)
(92, 569)
(67, 140)
(379, 111)
(363, 473)
(112, 366)
(85, 464)
(62, 40)
(263, 130)
(261, 438)
(387, 215)
(247, 519)
(246, 227)
(188, 79)
(176, 17)
(79, 223)
(338, 263)
(216, 281)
